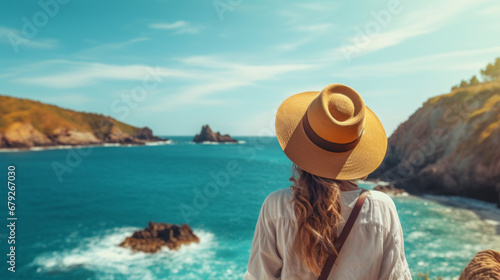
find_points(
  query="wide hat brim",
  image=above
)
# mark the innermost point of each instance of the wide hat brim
(357, 163)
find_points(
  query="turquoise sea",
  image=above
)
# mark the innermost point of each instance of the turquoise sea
(74, 206)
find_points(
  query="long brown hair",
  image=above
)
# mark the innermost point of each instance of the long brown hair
(318, 212)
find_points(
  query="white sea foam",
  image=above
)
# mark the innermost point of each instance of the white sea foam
(219, 143)
(35, 149)
(11, 150)
(370, 184)
(363, 181)
(61, 147)
(112, 144)
(463, 201)
(210, 143)
(55, 147)
(415, 235)
(492, 222)
(103, 255)
(159, 143)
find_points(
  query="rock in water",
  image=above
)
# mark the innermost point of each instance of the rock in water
(207, 135)
(158, 235)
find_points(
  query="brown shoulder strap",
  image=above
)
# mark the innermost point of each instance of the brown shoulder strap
(343, 236)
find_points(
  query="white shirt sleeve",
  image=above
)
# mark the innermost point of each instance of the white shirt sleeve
(394, 265)
(265, 261)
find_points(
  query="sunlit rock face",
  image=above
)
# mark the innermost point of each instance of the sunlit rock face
(449, 146)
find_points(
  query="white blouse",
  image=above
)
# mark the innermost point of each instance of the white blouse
(374, 248)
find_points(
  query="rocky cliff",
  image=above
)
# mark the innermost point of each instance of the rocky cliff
(207, 135)
(25, 123)
(449, 146)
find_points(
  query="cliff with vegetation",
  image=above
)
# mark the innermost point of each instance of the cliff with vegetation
(450, 145)
(26, 123)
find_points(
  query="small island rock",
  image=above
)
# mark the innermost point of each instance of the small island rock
(158, 235)
(207, 135)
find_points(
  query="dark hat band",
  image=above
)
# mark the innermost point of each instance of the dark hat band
(325, 144)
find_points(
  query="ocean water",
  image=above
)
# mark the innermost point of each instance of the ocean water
(74, 206)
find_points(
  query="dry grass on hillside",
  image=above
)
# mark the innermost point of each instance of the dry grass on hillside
(46, 118)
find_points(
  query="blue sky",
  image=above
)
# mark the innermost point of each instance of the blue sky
(175, 65)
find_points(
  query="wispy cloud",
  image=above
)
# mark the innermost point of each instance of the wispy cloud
(225, 76)
(99, 50)
(76, 74)
(306, 22)
(410, 23)
(315, 27)
(294, 45)
(17, 40)
(312, 32)
(304, 14)
(491, 11)
(208, 74)
(214, 62)
(448, 61)
(178, 27)
(318, 6)
(117, 45)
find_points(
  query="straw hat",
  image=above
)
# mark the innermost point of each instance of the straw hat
(331, 134)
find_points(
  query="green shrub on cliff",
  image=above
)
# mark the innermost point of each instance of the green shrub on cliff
(474, 81)
(490, 73)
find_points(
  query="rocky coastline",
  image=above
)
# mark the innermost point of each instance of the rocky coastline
(26, 124)
(449, 146)
(24, 135)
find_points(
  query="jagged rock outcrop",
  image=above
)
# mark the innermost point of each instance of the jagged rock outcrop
(449, 146)
(207, 135)
(158, 235)
(26, 123)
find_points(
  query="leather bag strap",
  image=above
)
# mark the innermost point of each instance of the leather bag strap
(343, 236)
